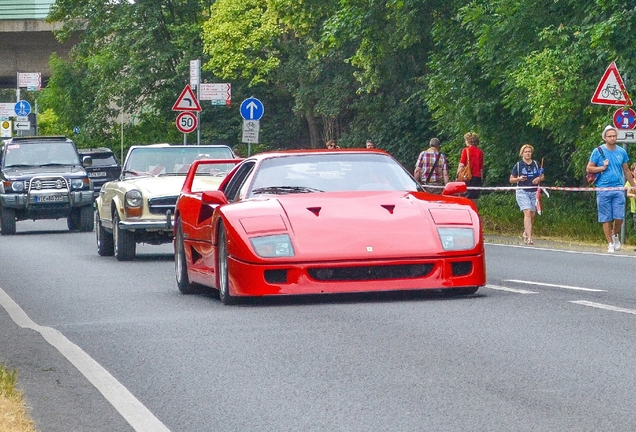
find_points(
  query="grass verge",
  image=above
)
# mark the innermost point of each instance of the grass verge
(13, 413)
(566, 216)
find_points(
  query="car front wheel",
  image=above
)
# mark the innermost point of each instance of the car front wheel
(224, 282)
(105, 246)
(180, 264)
(86, 219)
(7, 221)
(124, 242)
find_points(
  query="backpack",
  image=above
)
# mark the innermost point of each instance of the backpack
(592, 177)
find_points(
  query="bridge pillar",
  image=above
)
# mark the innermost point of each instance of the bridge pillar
(25, 46)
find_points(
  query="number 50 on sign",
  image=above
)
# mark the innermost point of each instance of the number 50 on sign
(186, 122)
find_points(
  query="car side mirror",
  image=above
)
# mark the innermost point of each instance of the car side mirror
(454, 188)
(214, 198)
(87, 161)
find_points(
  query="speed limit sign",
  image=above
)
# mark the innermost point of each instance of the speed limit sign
(186, 122)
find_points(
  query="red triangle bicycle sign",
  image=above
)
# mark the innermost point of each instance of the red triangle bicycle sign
(611, 89)
(186, 101)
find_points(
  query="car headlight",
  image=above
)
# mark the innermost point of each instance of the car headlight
(454, 239)
(273, 246)
(134, 198)
(77, 183)
(17, 186)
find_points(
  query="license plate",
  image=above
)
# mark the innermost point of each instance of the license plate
(97, 174)
(49, 198)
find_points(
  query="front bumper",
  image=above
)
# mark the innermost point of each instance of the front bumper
(247, 279)
(148, 225)
(33, 201)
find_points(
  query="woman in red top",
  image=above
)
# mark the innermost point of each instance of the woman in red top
(476, 156)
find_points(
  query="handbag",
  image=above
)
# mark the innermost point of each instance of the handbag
(592, 177)
(465, 173)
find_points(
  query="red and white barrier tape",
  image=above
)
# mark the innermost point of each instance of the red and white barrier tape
(544, 188)
(552, 188)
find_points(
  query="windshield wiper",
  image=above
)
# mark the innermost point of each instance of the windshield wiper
(285, 190)
(57, 164)
(135, 173)
(18, 166)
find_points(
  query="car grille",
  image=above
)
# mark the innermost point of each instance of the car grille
(56, 183)
(404, 271)
(162, 205)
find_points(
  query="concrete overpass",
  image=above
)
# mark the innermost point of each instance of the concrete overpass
(27, 40)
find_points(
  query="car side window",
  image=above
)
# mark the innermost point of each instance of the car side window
(234, 185)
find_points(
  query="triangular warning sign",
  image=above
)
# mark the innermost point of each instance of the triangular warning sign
(611, 90)
(187, 101)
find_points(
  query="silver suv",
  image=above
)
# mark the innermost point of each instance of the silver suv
(41, 177)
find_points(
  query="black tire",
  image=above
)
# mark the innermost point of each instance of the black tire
(180, 264)
(105, 245)
(7, 221)
(222, 267)
(124, 242)
(73, 220)
(455, 292)
(86, 219)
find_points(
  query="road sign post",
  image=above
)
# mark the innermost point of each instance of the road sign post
(186, 122)
(218, 93)
(252, 111)
(611, 89)
(187, 101)
(5, 128)
(625, 118)
(22, 108)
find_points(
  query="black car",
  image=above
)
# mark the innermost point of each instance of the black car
(41, 177)
(104, 168)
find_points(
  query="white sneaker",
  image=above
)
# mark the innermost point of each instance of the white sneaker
(610, 248)
(617, 242)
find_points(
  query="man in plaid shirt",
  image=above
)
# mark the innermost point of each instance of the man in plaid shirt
(427, 167)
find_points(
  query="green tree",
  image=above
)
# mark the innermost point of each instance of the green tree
(133, 58)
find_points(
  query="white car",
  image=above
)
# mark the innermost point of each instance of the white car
(138, 208)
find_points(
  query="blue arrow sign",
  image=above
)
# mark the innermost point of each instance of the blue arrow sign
(22, 108)
(252, 109)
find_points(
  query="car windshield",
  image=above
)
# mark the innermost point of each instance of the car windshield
(330, 172)
(40, 154)
(173, 160)
(103, 160)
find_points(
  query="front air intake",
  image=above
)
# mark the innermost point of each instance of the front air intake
(462, 268)
(364, 273)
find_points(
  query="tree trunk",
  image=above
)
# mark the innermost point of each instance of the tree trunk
(314, 135)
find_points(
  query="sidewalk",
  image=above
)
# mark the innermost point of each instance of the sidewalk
(626, 249)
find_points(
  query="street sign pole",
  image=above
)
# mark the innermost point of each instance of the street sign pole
(251, 110)
(195, 81)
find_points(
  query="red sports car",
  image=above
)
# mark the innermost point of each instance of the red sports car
(324, 221)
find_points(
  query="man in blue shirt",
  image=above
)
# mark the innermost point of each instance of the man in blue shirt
(611, 164)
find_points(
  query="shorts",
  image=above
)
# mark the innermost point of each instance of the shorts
(474, 194)
(527, 199)
(610, 205)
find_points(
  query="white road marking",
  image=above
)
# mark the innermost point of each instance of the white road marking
(604, 306)
(555, 286)
(514, 290)
(618, 255)
(135, 413)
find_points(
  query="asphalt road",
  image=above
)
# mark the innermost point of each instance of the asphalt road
(110, 346)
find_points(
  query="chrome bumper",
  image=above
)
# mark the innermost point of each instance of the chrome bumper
(24, 201)
(151, 225)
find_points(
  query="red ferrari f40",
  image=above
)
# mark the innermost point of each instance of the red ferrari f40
(324, 221)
